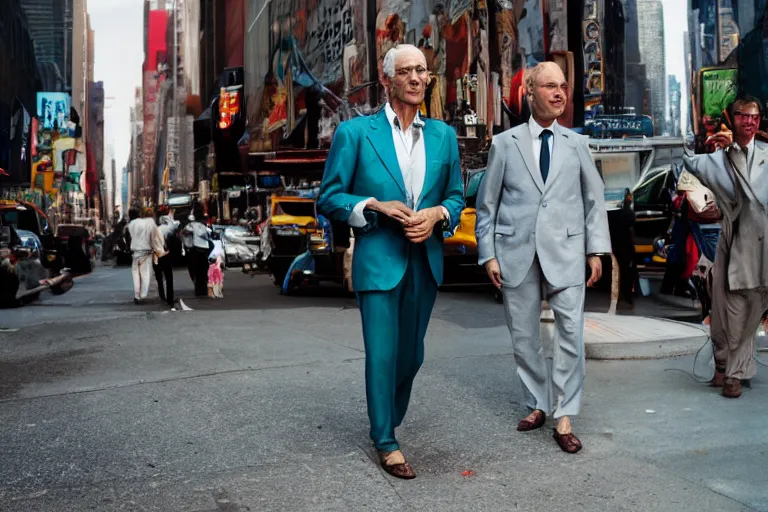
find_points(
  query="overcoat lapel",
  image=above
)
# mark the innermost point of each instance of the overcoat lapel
(380, 137)
(525, 146)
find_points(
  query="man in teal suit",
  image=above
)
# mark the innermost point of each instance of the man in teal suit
(396, 179)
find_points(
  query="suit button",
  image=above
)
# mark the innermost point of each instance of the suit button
(349, 208)
(544, 204)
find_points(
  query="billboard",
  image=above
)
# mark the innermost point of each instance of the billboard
(53, 110)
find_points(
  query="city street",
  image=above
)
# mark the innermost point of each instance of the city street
(257, 402)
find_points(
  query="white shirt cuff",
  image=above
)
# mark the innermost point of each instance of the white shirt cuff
(446, 214)
(356, 218)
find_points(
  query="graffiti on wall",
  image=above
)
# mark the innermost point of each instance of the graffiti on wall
(557, 24)
(320, 50)
(330, 31)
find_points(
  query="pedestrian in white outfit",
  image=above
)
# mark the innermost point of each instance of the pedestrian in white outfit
(141, 231)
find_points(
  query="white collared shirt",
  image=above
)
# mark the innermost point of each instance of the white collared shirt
(535, 130)
(754, 170)
(412, 160)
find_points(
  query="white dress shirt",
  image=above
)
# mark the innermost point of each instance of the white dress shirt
(412, 159)
(536, 129)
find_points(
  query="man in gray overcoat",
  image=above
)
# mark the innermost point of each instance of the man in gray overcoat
(541, 219)
(736, 174)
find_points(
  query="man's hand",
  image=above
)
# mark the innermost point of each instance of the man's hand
(395, 209)
(596, 266)
(720, 140)
(423, 223)
(494, 272)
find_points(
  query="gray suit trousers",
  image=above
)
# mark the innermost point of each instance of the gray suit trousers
(551, 382)
(735, 318)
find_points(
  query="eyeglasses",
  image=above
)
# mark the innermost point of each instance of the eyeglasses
(552, 86)
(755, 118)
(404, 72)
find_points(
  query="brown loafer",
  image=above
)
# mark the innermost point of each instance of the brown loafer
(732, 387)
(395, 464)
(569, 443)
(527, 425)
(719, 378)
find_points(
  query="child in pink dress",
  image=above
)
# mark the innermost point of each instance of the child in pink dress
(216, 276)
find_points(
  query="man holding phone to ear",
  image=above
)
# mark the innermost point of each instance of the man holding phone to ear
(541, 219)
(736, 175)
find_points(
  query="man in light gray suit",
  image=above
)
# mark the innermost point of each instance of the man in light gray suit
(540, 213)
(737, 174)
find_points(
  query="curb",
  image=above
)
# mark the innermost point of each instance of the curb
(660, 349)
(612, 338)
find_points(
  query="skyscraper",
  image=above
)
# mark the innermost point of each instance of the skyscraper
(650, 24)
(634, 84)
(50, 26)
(675, 104)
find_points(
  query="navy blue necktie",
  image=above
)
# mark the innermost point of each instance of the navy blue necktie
(544, 156)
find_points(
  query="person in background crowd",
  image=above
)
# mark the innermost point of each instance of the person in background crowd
(141, 231)
(197, 239)
(164, 265)
(737, 174)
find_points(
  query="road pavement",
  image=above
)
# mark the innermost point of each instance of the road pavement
(256, 402)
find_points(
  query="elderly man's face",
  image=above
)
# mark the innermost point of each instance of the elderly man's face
(549, 94)
(410, 81)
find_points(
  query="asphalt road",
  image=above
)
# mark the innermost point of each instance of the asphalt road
(256, 402)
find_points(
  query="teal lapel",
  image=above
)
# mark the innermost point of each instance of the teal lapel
(433, 141)
(380, 137)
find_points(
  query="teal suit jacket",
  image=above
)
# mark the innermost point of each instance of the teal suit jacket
(362, 163)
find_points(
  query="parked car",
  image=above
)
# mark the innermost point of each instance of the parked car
(241, 246)
(22, 215)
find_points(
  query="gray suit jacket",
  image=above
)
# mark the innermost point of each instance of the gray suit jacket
(743, 205)
(519, 217)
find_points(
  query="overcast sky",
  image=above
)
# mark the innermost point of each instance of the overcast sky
(119, 26)
(675, 25)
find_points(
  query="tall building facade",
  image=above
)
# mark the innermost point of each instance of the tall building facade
(614, 56)
(650, 24)
(81, 60)
(50, 25)
(674, 120)
(634, 84)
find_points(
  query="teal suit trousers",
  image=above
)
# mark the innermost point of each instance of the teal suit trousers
(394, 325)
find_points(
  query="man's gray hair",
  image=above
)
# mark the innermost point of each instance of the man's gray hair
(388, 66)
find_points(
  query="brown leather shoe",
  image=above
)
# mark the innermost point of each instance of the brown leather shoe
(395, 464)
(718, 379)
(569, 443)
(527, 425)
(732, 387)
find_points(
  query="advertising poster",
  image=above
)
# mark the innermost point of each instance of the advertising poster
(718, 89)
(53, 110)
